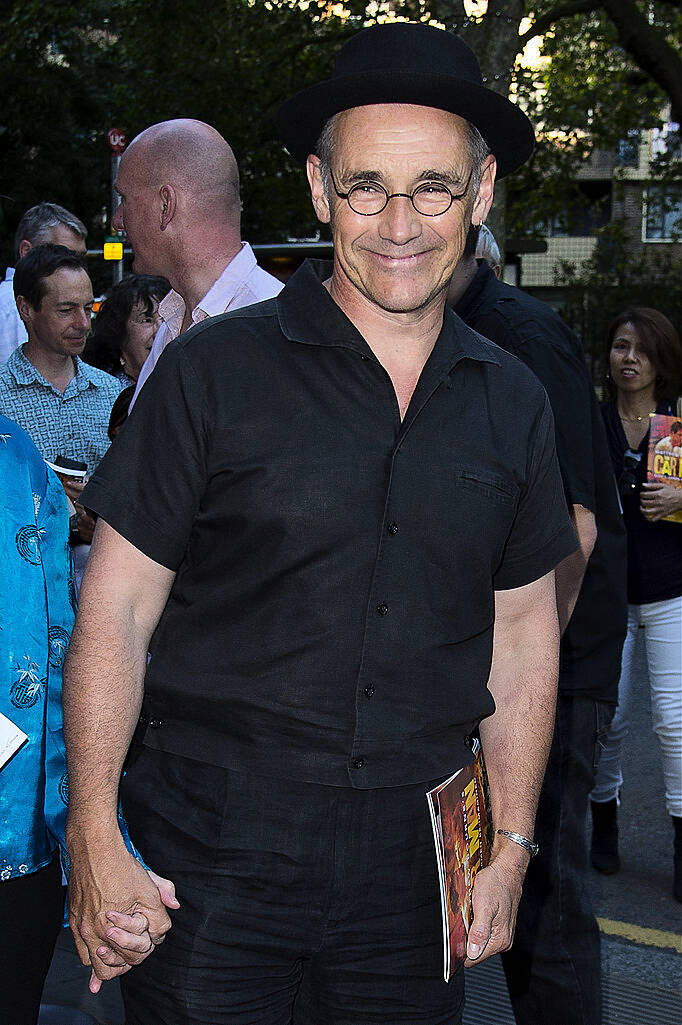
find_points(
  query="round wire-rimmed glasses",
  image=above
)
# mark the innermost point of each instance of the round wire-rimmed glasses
(430, 199)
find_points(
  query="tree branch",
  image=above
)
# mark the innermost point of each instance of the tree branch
(649, 49)
(565, 10)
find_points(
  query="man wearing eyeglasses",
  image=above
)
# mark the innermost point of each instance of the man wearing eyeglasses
(320, 510)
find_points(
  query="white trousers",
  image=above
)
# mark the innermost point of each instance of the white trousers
(662, 623)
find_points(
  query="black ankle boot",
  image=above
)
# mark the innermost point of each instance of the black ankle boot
(677, 858)
(604, 849)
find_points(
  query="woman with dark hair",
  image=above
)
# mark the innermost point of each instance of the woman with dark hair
(643, 378)
(125, 326)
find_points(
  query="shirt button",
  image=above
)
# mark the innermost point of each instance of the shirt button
(393, 528)
(358, 763)
(369, 691)
(382, 608)
(155, 724)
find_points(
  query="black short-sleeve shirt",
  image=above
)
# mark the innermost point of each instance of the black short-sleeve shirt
(332, 612)
(532, 331)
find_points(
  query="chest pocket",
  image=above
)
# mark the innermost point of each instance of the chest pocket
(485, 507)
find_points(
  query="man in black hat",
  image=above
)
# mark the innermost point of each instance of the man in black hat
(320, 509)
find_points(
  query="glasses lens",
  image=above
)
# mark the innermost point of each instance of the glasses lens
(367, 198)
(432, 199)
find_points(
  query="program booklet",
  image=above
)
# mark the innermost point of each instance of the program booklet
(462, 831)
(11, 739)
(665, 454)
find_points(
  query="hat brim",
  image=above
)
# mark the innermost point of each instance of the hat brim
(502, 124)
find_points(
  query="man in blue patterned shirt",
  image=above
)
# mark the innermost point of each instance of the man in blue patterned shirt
(61, 402)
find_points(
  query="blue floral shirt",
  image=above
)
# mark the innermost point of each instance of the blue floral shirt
(37, 607)
(73, 424)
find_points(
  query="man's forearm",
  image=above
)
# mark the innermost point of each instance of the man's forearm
(517, 738)
(570, 572)
(102, 695)
(516, 741)
(122, 597)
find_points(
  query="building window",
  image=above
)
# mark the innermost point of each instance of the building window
(665, 141)
(662, 214)
(584, 213)
(627, 154)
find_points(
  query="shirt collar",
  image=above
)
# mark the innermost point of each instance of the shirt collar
(24, 372)
(220, 294)
(483, 282)
(308, 314)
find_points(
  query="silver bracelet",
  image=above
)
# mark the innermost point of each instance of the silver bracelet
(522, 841)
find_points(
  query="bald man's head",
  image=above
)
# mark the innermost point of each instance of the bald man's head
(189, 154)
(179, 188)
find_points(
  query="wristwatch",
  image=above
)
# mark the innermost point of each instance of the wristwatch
(522, 841)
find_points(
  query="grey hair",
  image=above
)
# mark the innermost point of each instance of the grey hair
(36, 223)
(324, 149)
(487, 248)
(478, 150)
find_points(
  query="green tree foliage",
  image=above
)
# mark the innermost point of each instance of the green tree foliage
(610, 282)
(53, 83)
(231, 63)
(589, 96)
(69, 72)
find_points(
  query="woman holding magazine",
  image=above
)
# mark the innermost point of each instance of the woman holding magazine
(643, 379)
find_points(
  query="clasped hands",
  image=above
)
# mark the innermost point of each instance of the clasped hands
(117, 913)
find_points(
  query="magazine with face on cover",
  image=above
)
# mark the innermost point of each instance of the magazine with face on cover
(462, 832)
(665, 455)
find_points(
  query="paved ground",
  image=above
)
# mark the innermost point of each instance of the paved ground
(642, 970)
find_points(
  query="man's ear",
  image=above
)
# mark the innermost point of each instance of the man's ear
(316, 181)
(24, 247)
(24, 309)
(168, 205)
(486, 191)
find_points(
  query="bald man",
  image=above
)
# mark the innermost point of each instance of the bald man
(178, 183)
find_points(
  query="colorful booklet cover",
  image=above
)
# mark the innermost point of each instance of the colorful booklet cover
(462, 831)
(665, 454)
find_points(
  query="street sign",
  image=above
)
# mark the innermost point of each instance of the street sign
(117, 140)
(113, 247)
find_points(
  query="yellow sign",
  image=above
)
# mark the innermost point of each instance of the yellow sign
(113, 250)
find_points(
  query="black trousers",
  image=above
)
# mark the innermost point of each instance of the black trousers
(300, 903)
(31, 912)
(553, 969)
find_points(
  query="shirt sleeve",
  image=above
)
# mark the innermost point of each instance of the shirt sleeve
(558, 362)
(542, 533)
(149, 485)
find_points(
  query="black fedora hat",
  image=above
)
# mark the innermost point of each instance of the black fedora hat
(404, 62)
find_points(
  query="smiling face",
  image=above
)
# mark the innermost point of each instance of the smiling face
(398, 261)
(631, 369)
(61, 324)
(141, 326)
